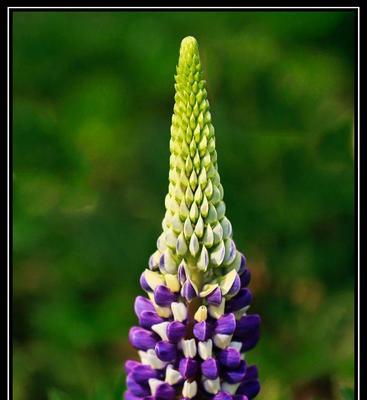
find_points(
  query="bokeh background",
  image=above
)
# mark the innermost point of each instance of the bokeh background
(92, 102)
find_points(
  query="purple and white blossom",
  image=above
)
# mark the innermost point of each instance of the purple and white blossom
(194, 329)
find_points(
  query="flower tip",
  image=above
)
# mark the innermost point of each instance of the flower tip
(188, 41)
(189, 47)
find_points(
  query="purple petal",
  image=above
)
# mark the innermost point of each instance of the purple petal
(245, 278)
(242, 265)
(239, 397)
(209, 368)
(232, 251)
(135, 388)
(249, 388)
(163, 296)
(141, 373)
(242, 299)
(222, 396)
(247, 326)
(144, 283)
(188, 367)
(130, 364)
(165, 351)
(130, 396)
(151, 262)
(230, 357)
(250, 342)
(252, 373)
(226, 324)
(202, 331)
(236, 375)
(165, 392)
(181, 274)
(162, 263)
(175, 331)
(142, 304)
(236, 286)
(149, 318)
(188, 291)
(215, 297)
(142, 339)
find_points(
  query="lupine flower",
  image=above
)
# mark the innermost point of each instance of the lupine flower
(194, 327)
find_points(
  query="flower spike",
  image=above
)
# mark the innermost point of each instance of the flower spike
(194, 326)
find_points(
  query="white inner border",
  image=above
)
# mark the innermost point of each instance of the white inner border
(137, 8)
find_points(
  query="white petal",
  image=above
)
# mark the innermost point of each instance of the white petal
(205, 349)
(172, 376)
(217, 254)
(227, 281)
(177, 225)
(169, 262)
(164, 312)
(212, 386)
(217, 312)
(161, 242)
(222, 341)
(217, 233)
(221, 210)
(161, 329)
(179, 311)
(189, 347)
(230, 252)
(201, 314)
(188, 230)
(199, 227)
(155, 362)
(171, 238)
(172, 282)
(153, 384)
(150, 358)
(194, 245)
(236, 262)
(208, 237)
(240, 313)
(154, 260)
(143, 357)
(153, 279)
(181, 246)
(189, 389)
(230, 388)
(236, 345)
(203, 261)
(207, 289)
(227, 228)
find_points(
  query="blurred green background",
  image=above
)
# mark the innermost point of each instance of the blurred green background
(92, 102)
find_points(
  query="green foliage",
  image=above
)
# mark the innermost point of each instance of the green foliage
(57, 395)
(347, 394)
(92, 106)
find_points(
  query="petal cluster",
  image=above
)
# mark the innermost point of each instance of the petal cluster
(193, 325)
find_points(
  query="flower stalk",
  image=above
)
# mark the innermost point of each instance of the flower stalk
(194, 327)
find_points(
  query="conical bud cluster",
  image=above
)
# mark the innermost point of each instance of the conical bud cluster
(194, 327)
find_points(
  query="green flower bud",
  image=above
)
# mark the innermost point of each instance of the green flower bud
(195, 228)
